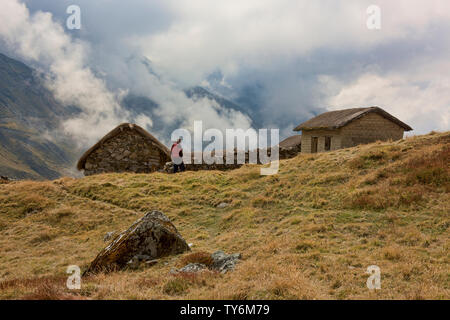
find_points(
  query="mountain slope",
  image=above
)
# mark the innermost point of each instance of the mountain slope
(309, 232)
(200, 92)
(25, 156)
(140, 105)
(27, 112)
(137, 104)
(24, 99)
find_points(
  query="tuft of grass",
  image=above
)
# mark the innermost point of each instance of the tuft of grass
(197, 257)
(304, 246)
(430, 169)
(176, 286)
(392, 253)
(263, 202)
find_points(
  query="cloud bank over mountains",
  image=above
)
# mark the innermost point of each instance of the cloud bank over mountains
(287, 60)
(40, 40)
(64, 61)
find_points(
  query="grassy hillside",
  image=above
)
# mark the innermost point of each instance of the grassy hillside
(25, 154)
(309, 232)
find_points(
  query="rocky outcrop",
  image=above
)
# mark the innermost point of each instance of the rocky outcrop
(151, 237)
(193, 268)
(221, 262)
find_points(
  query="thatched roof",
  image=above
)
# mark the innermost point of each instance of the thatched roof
(291, 141)
(340, 118)
(115, 132)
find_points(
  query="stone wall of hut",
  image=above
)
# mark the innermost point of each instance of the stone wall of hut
(307, 136)
(126, 152)
(284, 153)
(369, 128)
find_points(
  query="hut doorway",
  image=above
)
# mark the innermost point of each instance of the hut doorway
(314, 142)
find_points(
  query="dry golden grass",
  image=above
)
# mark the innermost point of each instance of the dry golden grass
(196, 257)
(309, 232)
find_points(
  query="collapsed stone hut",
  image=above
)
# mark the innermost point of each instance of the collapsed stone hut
(290, 146)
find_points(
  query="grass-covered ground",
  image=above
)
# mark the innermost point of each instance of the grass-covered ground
(309, 232)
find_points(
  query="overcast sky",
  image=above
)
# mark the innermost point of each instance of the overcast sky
(294, 58)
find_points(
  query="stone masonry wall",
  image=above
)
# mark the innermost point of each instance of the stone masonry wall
(370, 128)
(284, 153)
(126, 152)
(307, 136)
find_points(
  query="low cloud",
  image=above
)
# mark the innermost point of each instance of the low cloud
(285, 60)
(41, 41)
(38, 39)
(419, 97)
(286, 47)
(229, 35)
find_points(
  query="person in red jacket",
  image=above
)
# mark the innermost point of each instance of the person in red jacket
(176, 153)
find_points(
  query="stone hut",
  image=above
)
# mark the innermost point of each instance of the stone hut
(127, 148)
(350, 127)
(292, 143)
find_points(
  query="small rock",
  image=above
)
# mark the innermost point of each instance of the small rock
(168, 167)
(193, 268)
(189, 268)
(223, 205)
(223, 262)
(133, 264)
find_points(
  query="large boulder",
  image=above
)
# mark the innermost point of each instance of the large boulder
(153, 236)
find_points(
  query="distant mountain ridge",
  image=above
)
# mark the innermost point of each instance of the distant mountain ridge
(200, 92)
(27, 111)
(137, 104)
